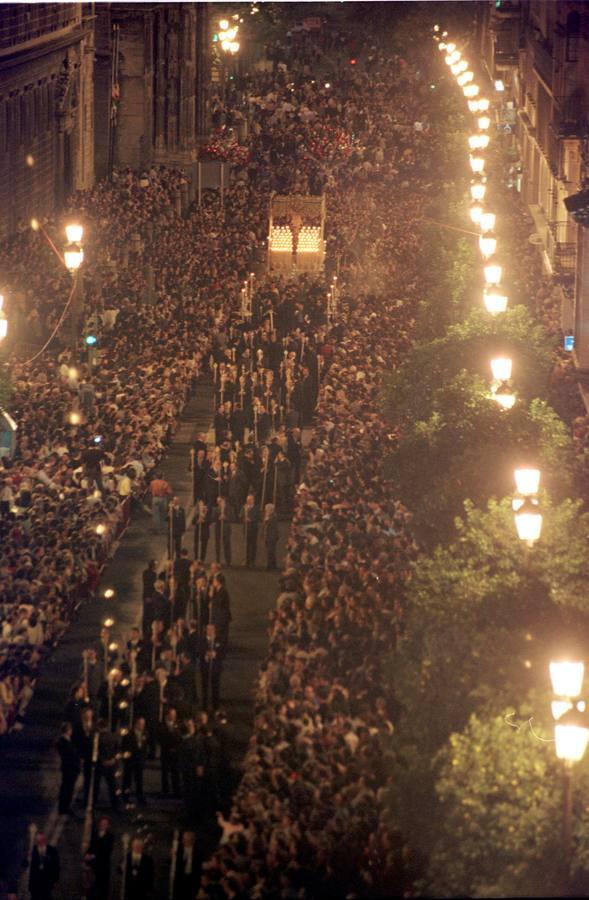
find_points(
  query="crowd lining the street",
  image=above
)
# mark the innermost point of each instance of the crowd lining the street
(308, 818)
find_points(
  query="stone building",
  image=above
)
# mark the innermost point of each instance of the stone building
(538, 53)
(46, 107)
(88, 86)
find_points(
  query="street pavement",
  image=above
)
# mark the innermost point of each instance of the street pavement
(29, 765)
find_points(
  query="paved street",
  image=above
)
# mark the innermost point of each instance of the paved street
(29, 770)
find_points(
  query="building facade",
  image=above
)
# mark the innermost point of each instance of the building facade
(538, 51)
(46, 108)
(85, 87)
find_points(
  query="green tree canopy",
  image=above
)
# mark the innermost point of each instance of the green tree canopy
(470, 345)
(467, 448)
(484, 615)
(500, 793)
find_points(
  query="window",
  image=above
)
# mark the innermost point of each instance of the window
(573, 30)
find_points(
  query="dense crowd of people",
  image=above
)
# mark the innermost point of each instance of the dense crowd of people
(307, 819)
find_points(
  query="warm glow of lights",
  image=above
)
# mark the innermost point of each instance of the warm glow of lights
(73, 257)
(571, 742)
(74, 233)
(475, 212)
(471, 90)
(493, 272)
(527, 481)
(74, 418)
(487, 222)
(501, 368)
(559, 708)
(100, 528)
(528, 521)
(487, 244)
(495, 302)
(483, 122)
(465, 78)
(483, 104)
(567, 678)
(477, 164)
(109, 594)
(478, 190)
(505, 398)
(223, 24)
(108, 623)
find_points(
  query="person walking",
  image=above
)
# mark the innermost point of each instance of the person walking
(271, 535)
(222, 531)
(44, 869)
(177, 527)
(160, 492)
(134, 749)
(98, 859)
(140, 872)
(70, 768)
(251, 518)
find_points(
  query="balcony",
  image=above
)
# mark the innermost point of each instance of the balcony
(543, 63)
(570, 116)
(561, 252)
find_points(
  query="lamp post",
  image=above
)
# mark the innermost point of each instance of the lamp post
(571, 735)
(73, 257)
(527, 514)
(3, 320)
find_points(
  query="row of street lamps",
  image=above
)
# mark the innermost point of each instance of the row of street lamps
(571, 732)
(528, 517)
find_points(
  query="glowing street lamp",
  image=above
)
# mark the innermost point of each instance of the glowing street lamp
(109, 594)
(483, 122)
(475, 212)
(73, 255)
(464, 78)
(567, 678)
(470, 91)
(571, 737)
(477, 164)
(487, 222)
(487, 244)
(478, 189)
(527, 482)
(495, 302)
(3, 320)
(528, 521)
(501, 367)
(493, 273)
(473, 106)
(483, 104)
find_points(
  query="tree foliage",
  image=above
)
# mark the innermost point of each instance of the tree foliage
(467, 448)
(484, 615)
(500, 793)
(470, 345)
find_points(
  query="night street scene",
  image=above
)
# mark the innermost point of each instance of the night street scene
(294, 450)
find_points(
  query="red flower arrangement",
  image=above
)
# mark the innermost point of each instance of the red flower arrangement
(223, 147)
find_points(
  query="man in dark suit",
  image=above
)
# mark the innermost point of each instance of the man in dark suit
(134, 748)
(222, 531)
(44, 870)
(251, 518)
(187, 868)
(139, 881)
(202, 528)
(182, 580)
(170, 739)
(177, 527)
(106, 764)
(98, 858)
(70, 768)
